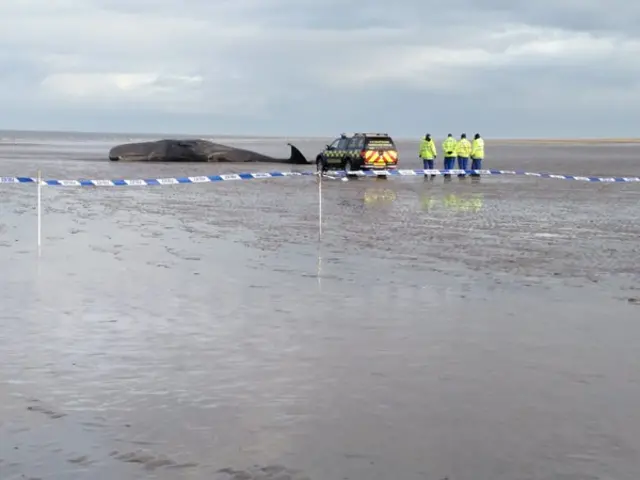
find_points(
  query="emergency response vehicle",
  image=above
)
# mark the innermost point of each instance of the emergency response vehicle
(359, 151)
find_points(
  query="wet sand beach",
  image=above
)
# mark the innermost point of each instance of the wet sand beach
(468, 331)
(566, 141)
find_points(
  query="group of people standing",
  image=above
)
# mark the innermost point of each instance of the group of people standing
(453, 149)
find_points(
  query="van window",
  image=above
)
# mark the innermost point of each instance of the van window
(343, 143)
(357, 143)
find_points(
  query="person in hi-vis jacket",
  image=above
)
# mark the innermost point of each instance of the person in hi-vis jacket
(428, 153)
(463, 151)
(477, 153)
(449, 152)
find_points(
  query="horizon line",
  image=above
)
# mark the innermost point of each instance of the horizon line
(589, 139)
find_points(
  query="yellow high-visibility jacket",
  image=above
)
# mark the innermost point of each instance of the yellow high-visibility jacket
(427, 149)
(463, 148)
(449, 147)
(477, 148)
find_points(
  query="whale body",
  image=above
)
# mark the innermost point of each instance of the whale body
(197, 150)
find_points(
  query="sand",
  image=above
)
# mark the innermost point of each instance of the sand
(435, 330)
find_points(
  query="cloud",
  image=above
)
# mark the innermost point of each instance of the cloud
(120, 86)
(309, 67)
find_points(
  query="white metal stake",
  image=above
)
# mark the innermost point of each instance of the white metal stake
(39, 209)
(319, 224)
(320, 205)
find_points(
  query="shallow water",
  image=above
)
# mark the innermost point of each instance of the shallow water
(463, 331)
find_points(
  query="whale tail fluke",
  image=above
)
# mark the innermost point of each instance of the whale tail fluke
(297, 157)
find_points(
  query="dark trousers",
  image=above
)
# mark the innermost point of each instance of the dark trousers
(449, 164)
(476, 164)
(427, 164)
(462, 165)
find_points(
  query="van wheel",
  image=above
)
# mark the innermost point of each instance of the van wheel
(320, 165)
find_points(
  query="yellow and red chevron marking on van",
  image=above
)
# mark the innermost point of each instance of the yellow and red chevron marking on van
(371, 156)
(386, 157)
(374, 157)
(390, 156)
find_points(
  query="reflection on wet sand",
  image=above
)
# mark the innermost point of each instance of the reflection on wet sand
(471, 202)
(379, 195)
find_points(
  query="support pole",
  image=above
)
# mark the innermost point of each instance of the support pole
(39, 209)
(319, 225)
(319, 205)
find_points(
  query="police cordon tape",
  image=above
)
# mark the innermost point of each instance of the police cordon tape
(392, 173)
(335, 173)
(154, 181)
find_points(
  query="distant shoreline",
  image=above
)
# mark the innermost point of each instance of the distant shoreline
(494, 140)
(588, 141)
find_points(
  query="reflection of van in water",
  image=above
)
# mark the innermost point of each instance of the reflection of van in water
(471, 203)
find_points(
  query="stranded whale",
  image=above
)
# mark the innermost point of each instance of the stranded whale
(195, 151)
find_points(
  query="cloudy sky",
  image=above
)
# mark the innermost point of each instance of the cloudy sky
(505, 68)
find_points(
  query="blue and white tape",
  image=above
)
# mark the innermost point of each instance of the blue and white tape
(335, 173)
(153, 181)
(392, 173)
